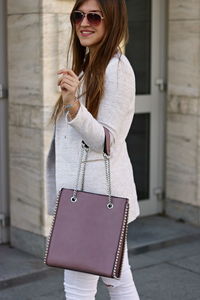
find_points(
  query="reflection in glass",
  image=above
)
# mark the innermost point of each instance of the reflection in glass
(138, 143)
(138, 49)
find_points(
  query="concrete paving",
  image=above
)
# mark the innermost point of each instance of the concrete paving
(155, 232)
(167, 266)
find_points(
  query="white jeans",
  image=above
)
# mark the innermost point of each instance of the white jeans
(83, 286)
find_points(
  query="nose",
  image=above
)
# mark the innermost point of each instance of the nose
(85, 21)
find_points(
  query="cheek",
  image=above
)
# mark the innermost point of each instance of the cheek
(102, 31)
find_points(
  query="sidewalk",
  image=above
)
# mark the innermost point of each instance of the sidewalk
(164, 256)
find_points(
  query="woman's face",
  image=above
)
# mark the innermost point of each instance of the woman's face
(89, 35)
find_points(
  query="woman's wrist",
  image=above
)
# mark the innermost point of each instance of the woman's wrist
(73, 110)
(68, 105)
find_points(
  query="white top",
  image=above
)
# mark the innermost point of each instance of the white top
(116, 113)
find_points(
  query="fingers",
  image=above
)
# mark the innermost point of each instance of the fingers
(68, 81)
(72, 84)
(68, 78)
(67, 71)
(67, 85)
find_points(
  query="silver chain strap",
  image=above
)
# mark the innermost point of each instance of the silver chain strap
(108, 174)
(108, 177)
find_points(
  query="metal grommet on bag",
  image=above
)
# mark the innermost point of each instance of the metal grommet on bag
(73, 199)
(110, 205)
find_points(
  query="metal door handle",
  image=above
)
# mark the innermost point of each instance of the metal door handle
(3, 92)
(161, 84)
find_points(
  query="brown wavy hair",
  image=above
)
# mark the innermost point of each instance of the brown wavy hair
(94, 65)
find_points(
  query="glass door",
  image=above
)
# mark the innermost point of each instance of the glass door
(146, 52)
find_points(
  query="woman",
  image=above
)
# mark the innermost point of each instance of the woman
(98, 91)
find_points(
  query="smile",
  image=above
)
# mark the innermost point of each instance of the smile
(86, 33)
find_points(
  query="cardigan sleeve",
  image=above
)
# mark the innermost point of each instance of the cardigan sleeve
(50, 177)
(118, 101)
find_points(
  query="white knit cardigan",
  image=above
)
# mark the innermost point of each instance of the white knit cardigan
(116, 113)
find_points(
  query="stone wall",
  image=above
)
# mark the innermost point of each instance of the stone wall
(38, 34)
(183, 122)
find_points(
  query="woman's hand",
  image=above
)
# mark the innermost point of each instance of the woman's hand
(69, 84)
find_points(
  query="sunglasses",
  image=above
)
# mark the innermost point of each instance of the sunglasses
(92, 17)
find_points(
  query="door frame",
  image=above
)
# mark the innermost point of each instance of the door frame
(4, 180)
(155, 204)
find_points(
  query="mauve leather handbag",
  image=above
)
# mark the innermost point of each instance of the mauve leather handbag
(89, 230)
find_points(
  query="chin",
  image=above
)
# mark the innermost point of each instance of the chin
(87, 43)
(84, 44)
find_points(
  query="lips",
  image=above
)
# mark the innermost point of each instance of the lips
(86, 33)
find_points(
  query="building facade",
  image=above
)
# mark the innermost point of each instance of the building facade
(164, 139)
